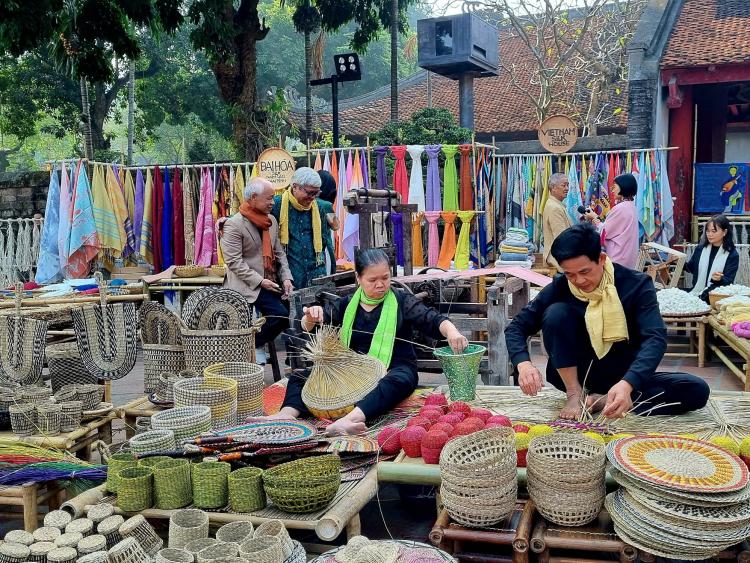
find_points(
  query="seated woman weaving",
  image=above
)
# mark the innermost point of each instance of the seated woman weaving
(368, 319)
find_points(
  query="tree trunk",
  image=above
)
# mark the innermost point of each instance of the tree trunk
(99, 115)
(131, 110)
(88, 147)
(394, 60)
(308, 88)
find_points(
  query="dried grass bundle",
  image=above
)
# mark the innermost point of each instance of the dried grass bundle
(339, 378)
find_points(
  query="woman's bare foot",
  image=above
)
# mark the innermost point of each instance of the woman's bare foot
(572, 409)
(595, 402)
(345, 427)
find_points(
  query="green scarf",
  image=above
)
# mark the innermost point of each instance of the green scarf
(381, 346)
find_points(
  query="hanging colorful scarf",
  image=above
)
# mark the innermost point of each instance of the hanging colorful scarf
(462, 248)
(288, 198)
(364, 165)
(349, 171)
(466, 195)
(167, 222)
(649, 200)
(384, 336)
(611, 174)
(448, 247)
(327, 164)
(138, 208)
(205, 236)
(110, 231)
(178, 222)
(84, 243)
(48, 268)
(433, 242)
(381, 180)
(318, 165)
(416, 181)
(63, 229)
(397, 220)
(667, 205)
(417, 252)
(189, 193)
(147, 228)
(573, 200)
(129, 185)
(157, 211)
(116, 190)
(433, 178)
(400, 178)
(450, 179)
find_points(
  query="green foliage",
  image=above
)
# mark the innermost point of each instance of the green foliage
(325, 140)
(429, 126)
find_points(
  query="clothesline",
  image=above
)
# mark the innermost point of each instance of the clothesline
(144, 166)
(569, 154)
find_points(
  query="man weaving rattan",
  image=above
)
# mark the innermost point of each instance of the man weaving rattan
(378, 321)
(602, 330)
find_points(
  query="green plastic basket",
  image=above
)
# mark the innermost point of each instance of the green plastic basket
(246, 491)
(135, 489)
(173, 487)
(461, 370)
(115, 464)
(210, 484)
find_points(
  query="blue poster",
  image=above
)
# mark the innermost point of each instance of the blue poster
(721, 188)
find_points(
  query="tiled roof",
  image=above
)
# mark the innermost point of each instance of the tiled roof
(709, 32)
(499, 108)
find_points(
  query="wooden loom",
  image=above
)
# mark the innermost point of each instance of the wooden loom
(663, 264)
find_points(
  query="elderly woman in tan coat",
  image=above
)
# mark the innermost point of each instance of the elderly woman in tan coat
(256, 264)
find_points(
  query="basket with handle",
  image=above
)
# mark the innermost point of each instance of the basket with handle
(218, 393)
(159, 325)
(173, 486)
(160, 358)
(22, 342)
(207, 347)
(250, 384)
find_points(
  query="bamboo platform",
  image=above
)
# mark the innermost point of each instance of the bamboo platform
(695, 329)
(739, 345)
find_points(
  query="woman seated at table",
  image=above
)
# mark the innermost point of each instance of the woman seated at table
(715, 260)
(366, 318)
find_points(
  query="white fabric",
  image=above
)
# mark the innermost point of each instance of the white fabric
(416, 182)
(704, 276)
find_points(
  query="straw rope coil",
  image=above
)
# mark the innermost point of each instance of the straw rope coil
(210, 484)
(216, 309)
(70, 415)
(187, 526)
(23, 418)
(135, 489)
(218, 393)
(303, 485)
(48, 419)
(159, 325)
(170, 555)
(110, 529)
(153, 441)
(115, 464)
(65, 365)
(185, 422)
(235, 532)
(173, 486)
(246, 492)
(339, 377)
(159, 358)
(127, 551)
(265, 549)
(139, 528)
(250, 384)
(276, 529)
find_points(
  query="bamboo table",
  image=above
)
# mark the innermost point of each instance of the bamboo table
(179, 285)
(695, 329)
(135, 408)
(30, 496)
(739, 345)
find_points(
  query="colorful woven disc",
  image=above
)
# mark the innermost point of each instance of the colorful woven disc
(273, 432)
(679, 463)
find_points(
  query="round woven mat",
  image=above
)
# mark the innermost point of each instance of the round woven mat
(216, 309)
(273, 432)
(158, 324)
(736, 515)
(679, 463)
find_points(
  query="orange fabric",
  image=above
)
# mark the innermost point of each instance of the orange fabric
(417, 252)
(466, 197)
(448, 248)
(263, 222)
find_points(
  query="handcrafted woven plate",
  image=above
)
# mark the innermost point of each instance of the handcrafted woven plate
(273, 432)
(408, 552)
(738, 514)
(679, 463)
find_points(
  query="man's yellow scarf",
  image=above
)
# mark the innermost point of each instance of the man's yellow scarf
(605, 318)
(287, 198)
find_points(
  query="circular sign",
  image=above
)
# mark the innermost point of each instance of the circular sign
(277, 166)
(558, 133)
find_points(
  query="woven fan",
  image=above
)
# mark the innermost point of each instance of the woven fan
(339, 378)
(106, 336)
(22, 342)
(159, 325)
(216, 309)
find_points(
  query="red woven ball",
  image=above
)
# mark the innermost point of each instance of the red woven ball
(437, 399)
(419, 421)
(520, 428)
(432, 445)
(442, 427)
(411, 440)
(478, 423)
(389, 440)
(521, 457)
(484, 414)
(499, 420)
(451, 418)
(433, 415)
(463, 429)
(460, 406)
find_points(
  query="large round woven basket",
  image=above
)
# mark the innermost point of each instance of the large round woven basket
(160, 358)
(206, 347)
(65, 365)
(186, 526)
(153, 441)
(135, 489)
(304, 485)
(210, 484)
(173, 485)
(216, 309)
(461, 370)
(185, 422)
(246, 491)
(115, 464)
(218, 393)
(250, 383)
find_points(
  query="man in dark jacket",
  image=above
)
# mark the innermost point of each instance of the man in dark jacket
(602, 329)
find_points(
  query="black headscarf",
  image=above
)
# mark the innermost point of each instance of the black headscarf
(327, 186)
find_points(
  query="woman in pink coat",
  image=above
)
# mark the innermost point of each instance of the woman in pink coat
(620, 230)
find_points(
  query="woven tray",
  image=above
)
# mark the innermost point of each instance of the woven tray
(275, 432)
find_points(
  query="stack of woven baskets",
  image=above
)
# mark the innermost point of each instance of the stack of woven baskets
(478, 477)
(217, 393)
(250, 383)
(162, 343)
(303, 485)
(565, 477)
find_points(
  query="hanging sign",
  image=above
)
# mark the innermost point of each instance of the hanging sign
(277, 166)
(558, 134)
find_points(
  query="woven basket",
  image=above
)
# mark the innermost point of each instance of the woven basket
(23, 419)
(83, 526)
(110, 529)
(90, 395)
(152, 461)
(138, 527)
(210, 484)
(135, 489)
(127, 551)
(196, 546)
(304, 485)
(217, 552)
(165, 386)
(57, 519)
(159, 325)
(218, 393)
(153, 441)
(70, 415)
(67, 393)
(98, 512)
(173, 486)
(160, 358)
(461, 370)
(185, 422)
(210, 308)
(48, 419)
(276, 529)
(20, 536)
(186, 526)
(217, 271)
(170, 555)
(46, 534)
(38, 551)
(115, 464)
(235, 532)
(192, 271)
(6, 400)
(34, 394)
(65, 365)
(143, 424)
(264, 549)
(92, 544)
(250, 384)
(246, 492)
(207, 347)
(96, 557)
(62, 555)
(13, 553)
(68, 539)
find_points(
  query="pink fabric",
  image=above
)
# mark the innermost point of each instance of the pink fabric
(400, 178)
(205, 237)
(621, 234)
(433, 238)
(742, 329)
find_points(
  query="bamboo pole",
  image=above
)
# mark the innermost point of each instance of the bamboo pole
(331, 524)
(76, 506)
(75, 300)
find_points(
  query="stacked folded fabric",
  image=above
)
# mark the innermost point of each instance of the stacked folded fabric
(515, 247)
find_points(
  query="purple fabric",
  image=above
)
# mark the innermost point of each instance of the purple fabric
(140, 188)
(167, 256)
(433, 178)
(397, 220)
(433, 242)
(364, 166)
(381, 179)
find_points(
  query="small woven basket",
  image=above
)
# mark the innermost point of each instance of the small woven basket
(83, 526)
(48, 418)
(235, 532)
(68, 539)
(152, 461)
(127, 551)
(218, 393)
(115, 464)
(186, 526)
(57, 519)
(217, 271)
(66, 393)
(135, 489)
(191, 271)
(246, 492)
(138, 527)
(217, 552)
(265, 549)
(207, 347)
(250, 384)
(210, 484)
(276, 529)
(304, 485)
(185, 422)
(34, 394)
(170, 555)
(461, 370)
(173, 487)
(110, 529)
(38, 551)
(196, 546)
(165, 386)
(70, 415)
(90, 395)
(160, 358)
(62, 555)
(23, 419)
(153, 441)
(92, 544)
(19, 536)
(96, 557)
(46, 534)
(98, 512)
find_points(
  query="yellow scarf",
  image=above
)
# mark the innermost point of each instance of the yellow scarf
(286, 198)
(605, 318)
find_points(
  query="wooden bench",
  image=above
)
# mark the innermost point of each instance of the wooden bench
(736, 343)
(695, 329)
(30, 497)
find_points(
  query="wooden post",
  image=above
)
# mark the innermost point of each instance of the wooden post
(30, 509)
(499, 305)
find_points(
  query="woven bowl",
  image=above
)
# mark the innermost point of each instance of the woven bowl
(264, 549)
(304, 472)
(276, 529)
(192, 271)
(246, 492)
(135, 489)
(235, 532)
(173, 485)
(185, 422)
(217, 271)
(115, 464)
(218, 393)
(186, 526)
(301, 499)
(197, 545)
(153, 441)
(489, 453)
(210, 484)
(170, 555)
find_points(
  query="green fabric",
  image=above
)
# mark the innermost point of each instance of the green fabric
(461, 261)
(381, 346)
(450, 179)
